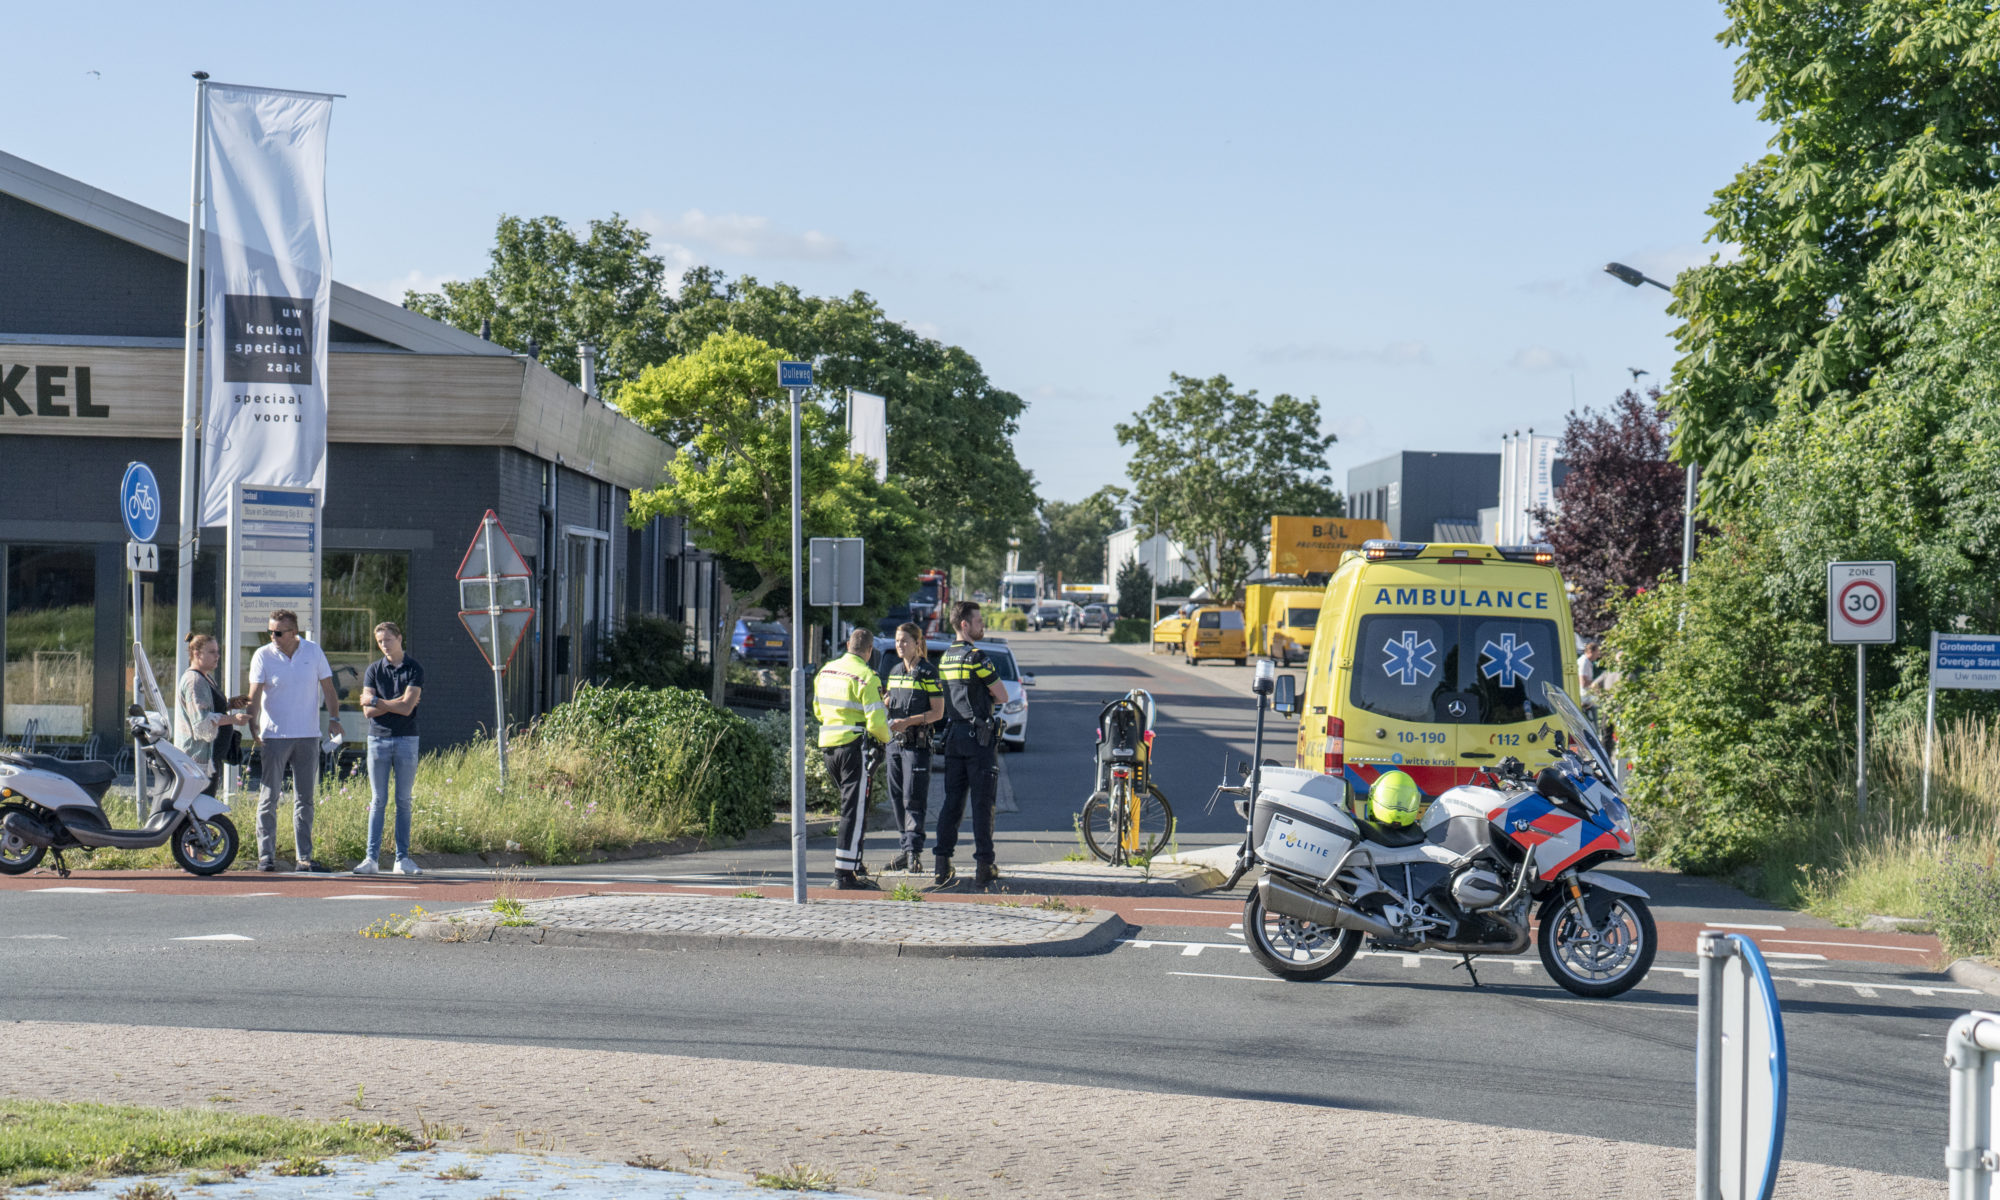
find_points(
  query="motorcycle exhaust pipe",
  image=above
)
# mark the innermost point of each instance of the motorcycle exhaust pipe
(28, 829)
(1289, 900)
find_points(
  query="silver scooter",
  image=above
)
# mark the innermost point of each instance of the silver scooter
(49, 805)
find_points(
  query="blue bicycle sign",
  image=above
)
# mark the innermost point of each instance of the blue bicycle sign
(140, 503)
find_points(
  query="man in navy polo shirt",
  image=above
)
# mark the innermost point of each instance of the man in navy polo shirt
(389, 695)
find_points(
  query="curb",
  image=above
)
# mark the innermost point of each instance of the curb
(1096, 933)
(1975, 974)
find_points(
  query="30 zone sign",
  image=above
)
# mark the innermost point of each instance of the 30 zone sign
(1860, 603)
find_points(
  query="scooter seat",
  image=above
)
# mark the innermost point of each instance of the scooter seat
(91, 775)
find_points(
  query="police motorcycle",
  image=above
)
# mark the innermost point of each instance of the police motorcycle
(1464, 878)
(49, 805)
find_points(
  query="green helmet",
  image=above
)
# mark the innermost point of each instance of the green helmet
(1395, 799)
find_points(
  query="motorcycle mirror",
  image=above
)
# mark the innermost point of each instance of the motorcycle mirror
(1560, 739)
(1243, 769)
(1552, 784)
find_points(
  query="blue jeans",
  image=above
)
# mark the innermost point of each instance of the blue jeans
(398, 754)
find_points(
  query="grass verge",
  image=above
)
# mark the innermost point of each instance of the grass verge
(44, 1142)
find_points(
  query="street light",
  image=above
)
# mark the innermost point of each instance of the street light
(1633, 278)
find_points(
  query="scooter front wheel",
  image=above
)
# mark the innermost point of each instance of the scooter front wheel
(213, 859)
(17, 856)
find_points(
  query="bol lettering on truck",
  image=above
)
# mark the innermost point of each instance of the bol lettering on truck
(1429, 658)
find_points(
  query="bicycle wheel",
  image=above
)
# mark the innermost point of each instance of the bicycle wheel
(1099, 831)
(1100, 826)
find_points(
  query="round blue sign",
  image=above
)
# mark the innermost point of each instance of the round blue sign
(140, 502)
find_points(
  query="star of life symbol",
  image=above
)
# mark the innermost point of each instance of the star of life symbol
(1410, 658)
(1510, 660)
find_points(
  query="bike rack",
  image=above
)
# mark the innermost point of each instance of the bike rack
(1970, 1159)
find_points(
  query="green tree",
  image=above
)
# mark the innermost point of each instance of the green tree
(732, 478)
(1070, 537)
(1882, 108)
(1215, 463)
(1135, 590)
(950, 429)
(558, 289)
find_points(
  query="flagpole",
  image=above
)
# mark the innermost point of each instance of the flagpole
(190, 392)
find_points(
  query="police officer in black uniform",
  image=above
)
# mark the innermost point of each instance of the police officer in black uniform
(916, 704)
(971, 745)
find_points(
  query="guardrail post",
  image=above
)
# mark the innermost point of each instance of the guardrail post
(1969, 1158)
(1712, 949)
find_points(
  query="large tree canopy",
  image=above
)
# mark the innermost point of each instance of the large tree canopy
(1070, 538)
(950, 430)
(555, 288)
(1882, 109)
(1210, 464)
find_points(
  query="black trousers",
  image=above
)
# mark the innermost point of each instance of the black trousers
(846, 766)
(976, 772)
(910, 791)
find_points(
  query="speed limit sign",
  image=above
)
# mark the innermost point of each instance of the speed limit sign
(1860, 603)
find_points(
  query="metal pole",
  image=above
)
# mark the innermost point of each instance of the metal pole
(1861, 729)
(1687, 520)
(139, 698)
(798, 676)
(1930, 722)
(1153, 602)
(1710, 952)
(499, 659)
(184, 536)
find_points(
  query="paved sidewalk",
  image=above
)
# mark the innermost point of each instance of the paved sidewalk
(881, 1131)
(893, 928)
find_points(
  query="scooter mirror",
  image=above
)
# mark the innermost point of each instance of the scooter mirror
(1285, 701)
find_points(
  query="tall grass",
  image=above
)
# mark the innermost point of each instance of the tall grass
(1894, 861)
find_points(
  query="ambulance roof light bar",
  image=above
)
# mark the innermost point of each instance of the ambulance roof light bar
(1539, 553)
(1377, 549)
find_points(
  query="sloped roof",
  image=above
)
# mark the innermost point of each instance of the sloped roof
(168, 236)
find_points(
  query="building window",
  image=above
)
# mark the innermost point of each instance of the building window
(362, 589)
(50, 635)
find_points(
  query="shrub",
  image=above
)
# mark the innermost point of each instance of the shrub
(677, 750)
(1962, 899)
(1131, 632)
(821, 796)
(1004, 620)
(650, 652)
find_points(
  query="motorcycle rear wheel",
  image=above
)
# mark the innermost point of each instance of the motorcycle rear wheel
(1618, 960)
(16, 856)
(193, 859)
(1293, 949)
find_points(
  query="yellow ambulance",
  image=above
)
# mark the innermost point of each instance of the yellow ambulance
(1430, 659)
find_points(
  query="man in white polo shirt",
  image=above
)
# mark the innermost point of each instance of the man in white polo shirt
(288, 678)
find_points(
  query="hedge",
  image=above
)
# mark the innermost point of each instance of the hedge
(1132, 631)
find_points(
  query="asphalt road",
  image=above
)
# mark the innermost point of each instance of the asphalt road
(1180, 1007)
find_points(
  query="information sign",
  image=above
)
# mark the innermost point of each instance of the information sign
(274, 549)
(835, 574)
(795, 374)
(1860, 603)
(139, 502)
(1964, 660)
(142, 558)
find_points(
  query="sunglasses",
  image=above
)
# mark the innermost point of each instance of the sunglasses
(278, 633)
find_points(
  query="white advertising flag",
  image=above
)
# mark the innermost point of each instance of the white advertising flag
(269, 287)
(868, 429)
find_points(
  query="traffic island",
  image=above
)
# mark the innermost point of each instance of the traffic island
(885, 928)
(1073, 878)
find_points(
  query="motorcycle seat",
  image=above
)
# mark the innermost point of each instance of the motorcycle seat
(1389, 835)
(93, 776)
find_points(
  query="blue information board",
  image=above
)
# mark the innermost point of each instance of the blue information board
(795, 374)
(139, 501)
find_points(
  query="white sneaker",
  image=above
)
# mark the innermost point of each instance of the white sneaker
(408, 866)
(366, 867)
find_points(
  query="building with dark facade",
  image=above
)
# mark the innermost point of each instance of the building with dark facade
(428, 427)
(1425, 495)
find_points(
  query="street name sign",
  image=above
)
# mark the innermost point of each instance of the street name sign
(1965, 660)
(795, 374)
(1860, 603)
(139, 502)
(835, 573)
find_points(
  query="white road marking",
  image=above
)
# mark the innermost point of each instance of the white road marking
(1207, 912)
(213, 937)
(36, 937)
(247, 895)
(1244, 978)
(1794, 954)
(1186, 947)
(1739, 925)
(1191, 951)
(1866, 993)
(1524, 968)
(81, 891)
(1847, 945)
(367, 896)
(1412, 962)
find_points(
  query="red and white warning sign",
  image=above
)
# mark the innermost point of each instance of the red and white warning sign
(494, 592)
(1860, 603)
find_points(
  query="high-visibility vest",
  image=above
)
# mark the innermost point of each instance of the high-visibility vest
(847, 702)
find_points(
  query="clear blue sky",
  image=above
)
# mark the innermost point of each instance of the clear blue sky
(1403, 210)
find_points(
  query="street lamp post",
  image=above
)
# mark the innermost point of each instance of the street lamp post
(1632, 277)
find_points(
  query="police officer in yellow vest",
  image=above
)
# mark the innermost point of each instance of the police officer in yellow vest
(971, 745)
(847, 702)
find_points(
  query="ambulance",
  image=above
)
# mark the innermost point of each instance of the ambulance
(1429, 659)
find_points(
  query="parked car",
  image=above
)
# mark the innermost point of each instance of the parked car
(1096, 616)
(1013, 713)
(761, 642)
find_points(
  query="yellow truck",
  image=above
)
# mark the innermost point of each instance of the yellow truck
(1281, 618)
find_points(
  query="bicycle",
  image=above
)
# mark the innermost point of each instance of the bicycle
(1128, 818)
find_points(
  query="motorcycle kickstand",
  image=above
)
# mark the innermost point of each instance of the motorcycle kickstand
(1466, 962)
(62, 868)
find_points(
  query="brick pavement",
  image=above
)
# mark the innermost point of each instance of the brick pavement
(890, 927)
(881, 1131)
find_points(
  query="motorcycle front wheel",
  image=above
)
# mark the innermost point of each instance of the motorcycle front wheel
(213, 859)
(1603, 966)
(1293, 949)
(17, 857)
